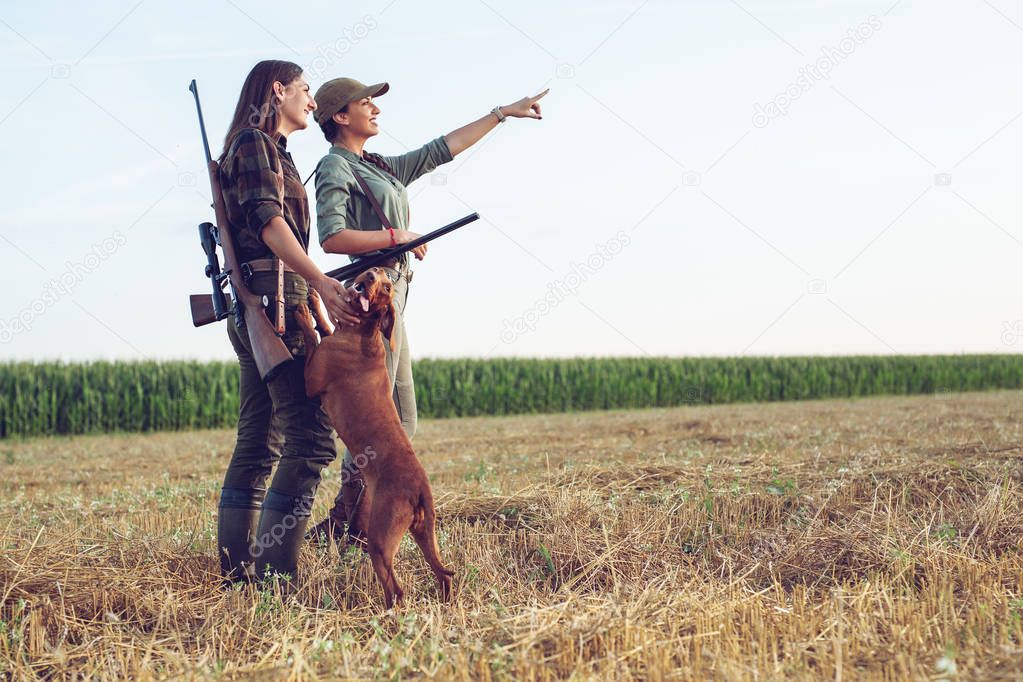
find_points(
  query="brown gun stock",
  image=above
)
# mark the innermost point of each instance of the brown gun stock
(203, 312)
(268, 349)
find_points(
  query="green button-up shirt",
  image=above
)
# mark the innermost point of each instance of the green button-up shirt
(340, 202)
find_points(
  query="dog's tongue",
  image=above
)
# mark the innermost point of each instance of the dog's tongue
(365, 303)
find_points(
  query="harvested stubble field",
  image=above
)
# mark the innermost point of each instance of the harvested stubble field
(865, 539)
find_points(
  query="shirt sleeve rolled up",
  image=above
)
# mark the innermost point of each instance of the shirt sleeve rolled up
(411, 165)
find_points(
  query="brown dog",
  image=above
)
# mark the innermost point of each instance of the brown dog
(346, 370)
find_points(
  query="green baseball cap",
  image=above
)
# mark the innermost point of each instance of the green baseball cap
(333, 95)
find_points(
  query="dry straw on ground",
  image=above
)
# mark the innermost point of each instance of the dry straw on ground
(870, 539)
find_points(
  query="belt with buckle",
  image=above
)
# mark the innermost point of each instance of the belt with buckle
(265, 264)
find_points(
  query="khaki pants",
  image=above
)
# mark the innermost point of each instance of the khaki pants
(399, 364)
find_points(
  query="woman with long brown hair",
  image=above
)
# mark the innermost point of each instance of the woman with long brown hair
(259, 529)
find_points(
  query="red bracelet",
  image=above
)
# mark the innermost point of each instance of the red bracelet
(394, 242)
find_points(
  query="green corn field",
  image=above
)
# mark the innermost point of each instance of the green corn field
(60, 398)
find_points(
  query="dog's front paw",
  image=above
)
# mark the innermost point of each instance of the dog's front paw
(304, 317)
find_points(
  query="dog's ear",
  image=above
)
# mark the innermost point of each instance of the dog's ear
(387, 324)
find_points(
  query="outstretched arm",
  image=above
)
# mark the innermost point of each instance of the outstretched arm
(468, 135)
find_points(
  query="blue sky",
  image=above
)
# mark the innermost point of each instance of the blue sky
(709, 178)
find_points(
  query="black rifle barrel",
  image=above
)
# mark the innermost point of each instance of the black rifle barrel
(363, 264)
(194, 89)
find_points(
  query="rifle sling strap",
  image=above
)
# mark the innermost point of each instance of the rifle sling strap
(372, 200)
(279, 266)
(375, 203)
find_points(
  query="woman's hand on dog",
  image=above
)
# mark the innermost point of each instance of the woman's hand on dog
(340, 302)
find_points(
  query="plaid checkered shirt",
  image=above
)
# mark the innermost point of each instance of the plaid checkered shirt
(250, 179)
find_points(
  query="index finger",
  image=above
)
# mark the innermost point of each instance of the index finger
(542, 94)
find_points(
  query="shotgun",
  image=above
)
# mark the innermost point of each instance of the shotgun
(363, 264)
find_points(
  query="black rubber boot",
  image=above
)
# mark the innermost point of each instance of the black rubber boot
(280, 535)
(237, 518)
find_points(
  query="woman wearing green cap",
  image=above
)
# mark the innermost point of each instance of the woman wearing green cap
(355, 223)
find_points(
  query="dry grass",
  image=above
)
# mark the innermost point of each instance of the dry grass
(871, 539)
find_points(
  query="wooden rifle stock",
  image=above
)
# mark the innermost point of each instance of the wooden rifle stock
(268, 349)
(203, 312)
